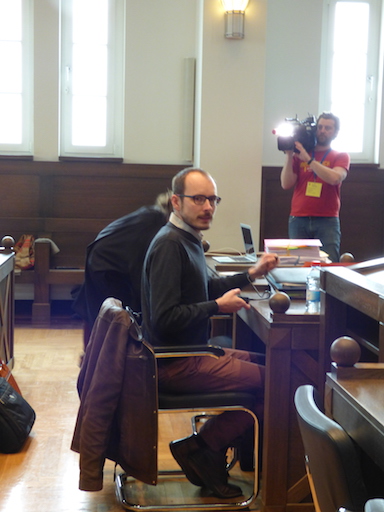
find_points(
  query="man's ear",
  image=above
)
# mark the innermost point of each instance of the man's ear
(176, 202)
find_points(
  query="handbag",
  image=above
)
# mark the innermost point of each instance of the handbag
(6, 373)
(25, 252)
(16, 418)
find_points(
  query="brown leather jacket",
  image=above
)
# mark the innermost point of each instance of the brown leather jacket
(117, 417)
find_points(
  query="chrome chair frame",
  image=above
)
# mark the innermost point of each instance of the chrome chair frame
(198, 404)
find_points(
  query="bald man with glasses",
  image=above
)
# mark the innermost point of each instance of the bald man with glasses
(178, 299)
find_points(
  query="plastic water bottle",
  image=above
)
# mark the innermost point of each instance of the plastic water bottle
(313, 290)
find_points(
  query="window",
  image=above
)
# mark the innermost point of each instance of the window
(15, 77)
(351, 77)
(91, 118)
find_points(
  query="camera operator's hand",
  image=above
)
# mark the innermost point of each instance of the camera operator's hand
(302, 152)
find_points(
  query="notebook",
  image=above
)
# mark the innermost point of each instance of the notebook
(291, 280)
(249, 249)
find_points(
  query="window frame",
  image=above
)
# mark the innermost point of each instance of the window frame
(25, 147)
(373, 91)
(115, 79)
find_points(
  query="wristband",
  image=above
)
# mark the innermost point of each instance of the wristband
(310, 161)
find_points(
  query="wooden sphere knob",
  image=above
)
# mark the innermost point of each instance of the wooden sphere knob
(345, 351)
(8, 243)
(347, 257)
(206, 245)
(279, 302)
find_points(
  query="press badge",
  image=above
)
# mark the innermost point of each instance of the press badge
(313, 189)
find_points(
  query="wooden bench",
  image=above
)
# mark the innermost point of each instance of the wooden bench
(70, 202)
(42, 277)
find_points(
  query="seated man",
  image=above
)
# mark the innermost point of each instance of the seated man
(115, 258)
(178, 299)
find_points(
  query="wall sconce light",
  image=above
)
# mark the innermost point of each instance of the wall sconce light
(234, 18)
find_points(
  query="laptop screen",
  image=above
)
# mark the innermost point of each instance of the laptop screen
(248, 240)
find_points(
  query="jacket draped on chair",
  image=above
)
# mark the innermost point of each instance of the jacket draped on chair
(117, 417)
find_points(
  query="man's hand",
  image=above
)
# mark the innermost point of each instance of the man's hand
(264, 264)
(302, 153)
(332, 176)
(230, 302)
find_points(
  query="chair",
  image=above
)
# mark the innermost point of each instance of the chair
(198, 403)
(374, 505)
(331, 457)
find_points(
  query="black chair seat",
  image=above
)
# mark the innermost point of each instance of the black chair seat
(204, 400)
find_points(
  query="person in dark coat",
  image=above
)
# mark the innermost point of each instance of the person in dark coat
(115, 258)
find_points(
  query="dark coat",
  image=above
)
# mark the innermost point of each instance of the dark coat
(114, 262)
(117, 417)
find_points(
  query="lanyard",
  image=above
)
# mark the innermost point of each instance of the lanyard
(321, 161)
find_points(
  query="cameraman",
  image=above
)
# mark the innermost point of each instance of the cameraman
(317, 178)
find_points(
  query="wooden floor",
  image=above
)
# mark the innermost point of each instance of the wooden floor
(44, 476)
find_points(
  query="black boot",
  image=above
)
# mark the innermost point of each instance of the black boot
(210, 467)
(181, 450)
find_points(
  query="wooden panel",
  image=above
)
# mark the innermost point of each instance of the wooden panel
(70, 202)
(361, 214)
(92, 197)
(72, 249)
(275, 206)
(72, 225)
(20, 196)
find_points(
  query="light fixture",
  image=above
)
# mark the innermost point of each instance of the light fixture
(234, 18)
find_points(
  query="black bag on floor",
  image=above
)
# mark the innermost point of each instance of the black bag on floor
(16, 418)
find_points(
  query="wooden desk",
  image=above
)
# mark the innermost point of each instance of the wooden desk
(353, 304)
(357, 405)
(7, 311)
(291, 343)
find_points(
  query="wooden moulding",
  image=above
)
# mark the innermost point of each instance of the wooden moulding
(359, 371)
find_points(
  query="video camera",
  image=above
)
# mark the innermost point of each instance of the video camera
(293, 130)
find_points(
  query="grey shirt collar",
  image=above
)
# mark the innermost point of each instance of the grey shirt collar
(179, 223)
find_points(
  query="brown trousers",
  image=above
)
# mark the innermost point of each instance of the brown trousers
(237, 370)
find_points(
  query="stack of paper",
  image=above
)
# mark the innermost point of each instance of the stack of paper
(293, 251)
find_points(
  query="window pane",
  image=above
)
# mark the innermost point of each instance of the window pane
(16, 127)
(10, 119)
(349, 73)
(92, 65)
(89, 118)
(349, 77)
(10, 20)
(351, 27)
(89, 73)
(89, 70)
(351, 135)
(90, 21)
(10, 67)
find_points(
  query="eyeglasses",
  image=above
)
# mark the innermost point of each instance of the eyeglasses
(200, 199)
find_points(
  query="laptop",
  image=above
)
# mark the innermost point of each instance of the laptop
(249, 249)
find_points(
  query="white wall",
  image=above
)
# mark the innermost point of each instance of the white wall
(293, 49)
(160, 35)
(244, 89)
(232, 104)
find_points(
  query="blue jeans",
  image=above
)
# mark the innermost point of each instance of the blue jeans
(327, 229)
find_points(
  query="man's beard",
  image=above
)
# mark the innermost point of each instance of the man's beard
(326, 141)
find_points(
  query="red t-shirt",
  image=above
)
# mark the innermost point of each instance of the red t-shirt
(328, 204)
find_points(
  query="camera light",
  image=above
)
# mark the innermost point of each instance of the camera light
(284, 130)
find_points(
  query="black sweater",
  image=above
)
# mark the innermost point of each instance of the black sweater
(177, 293)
